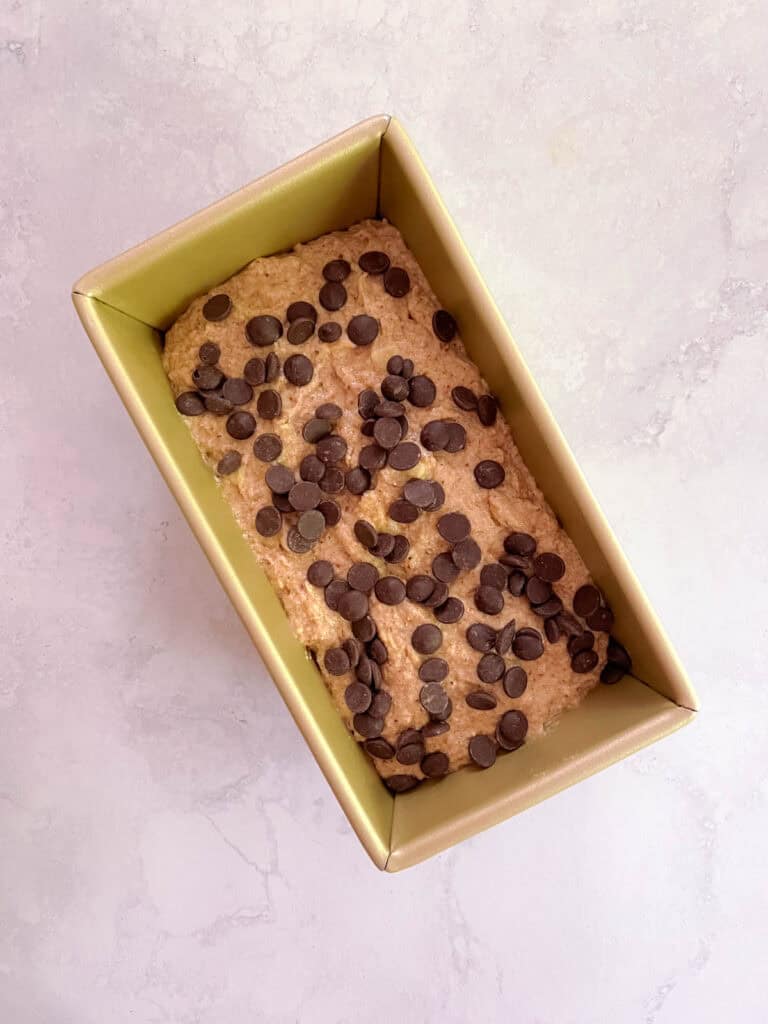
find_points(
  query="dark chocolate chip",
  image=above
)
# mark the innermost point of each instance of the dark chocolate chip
(269, 404)
(444, 325)
(464, 398)
(433, 670)
(254, 371)
(481, 700)
(329, 332)
(482, 750)
(457, 437)
(301, 330)
(538, 590)
(418, 493)
(241, 425)
(412, 751)
(494, 575)
(357, 480)
(280, 501)
(516, 562)
(404, 456)
(586, 600)
(467, 554)
(382, 702)
(279, 479)
(390, 590)
(519, 544)
(394, 388)
(481, 637)
(397, 282)
(263, 330)
(229, 463)
(612, 673)
(549, 566)
(368, 726)
(336, 270)
(489, 600)
(618, 654)
(438, 596)
(320, 573)
(374, 262)
(268, 521)
(422, 391)
(315, 430)
(387, 433)
(353, 605)
(377, 650)
(388, 408)
(237, 391)
(418, 588)
(444, 568)
(426, 639)
(357, 696)
(218, 307)
(364, 629)
(362, 329)
(436, 764)
(305, 496)
(395, 365)
(515, 681)
(516, 583)
(402, 511)
(336, 661)
(490, 668)
(454, 527)
(527, 645)
(300, 311)
(489, 474)
(431, 729)
(362, 576)
(329, 411)
(584, 661)
(311, 469)
(487, 409)
(601, 619)
(552, 630)
(331, 449)
(310, 526)
(434, 435)
(549, 608)
(513, 726)
(354, 649)
(332, 295)
(583, 642)
(218, 404)
(504, 637)
(331, 512)
(384, 546)
(450, 611)
(367, 401)
(365, 533)
(209, 353)
(298, 370)
(401, 783)
(372, 457)
(438, 497)
(333, 593)
(400, 550)
(207, 378)
(379, 748)
(267, 447)
(367, 428)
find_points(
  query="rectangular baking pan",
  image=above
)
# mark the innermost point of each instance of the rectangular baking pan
(125, 305)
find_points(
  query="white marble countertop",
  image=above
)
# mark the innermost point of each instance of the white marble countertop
(168, 850)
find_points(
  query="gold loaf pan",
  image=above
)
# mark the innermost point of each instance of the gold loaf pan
(372, 170)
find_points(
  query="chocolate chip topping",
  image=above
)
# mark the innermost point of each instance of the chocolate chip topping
(189, 403)
(402, 511)
(254, 371)
(434, 435)
(364, 629)
(504, 637)
(489, 600)
(513, 726)
(357, 696)
(300, 311)
(271, 368)
(365, 533)
(401, 783)
(329, 332)
(279, 479)
(438, 596)
(237, 391)
(374, 262)
(489, 474)
(585, 661)
(482, 751)
(331, 449)
(436, 764)
(218, 404)
(394, 387)
(487, 409)
(353, 605)
(404, 456)
(418, 588)
(444, 325)
(387, 433)
(481, 700)
(399, 550)
(538, 590)
(396, 282)
(450, 611)
(267, 447)
(552, 630)
(229, 463)
(467, 554)
(516, 583)
(336, 661)
(263, 330)
(382, 702)
(367, 401)
(457, 437)
(490, 668)
(268, 521)
(336, 270)
(368, 726)
(444, 568)
(434, 728)
(586, 600)
(332, 295)
(207, 378)
(515, 681)
(362, 576)
(433, 670)
(410, 747)
(481, 637)
(305, 496)
(454, 527)
(218, 307)
(494, 575)
(316, 429)
(209, 353)
(601, 619)
(331, 512)
(464, 398)
(549, 608)
(357, 480)
(298, 370)
(362, 329)
(311, 525)
(377, 649)
(422, 391)
(527, 645)
(519, 544)
(320, 573)
(301, 330)
(390, 590)
(333, 480)
(269, 404)
(549, 566)
(426, 639)
(379, 748)
(241, 425)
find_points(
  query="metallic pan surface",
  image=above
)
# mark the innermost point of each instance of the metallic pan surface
(125, 304)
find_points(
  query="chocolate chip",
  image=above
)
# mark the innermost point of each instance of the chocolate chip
(268, 521)
(404, 456)
(504, 637)
(481, 637)
(384, 546)
(297, 540)
(438, 596)
(368, 726)
(586, 600)
(489, 474)
(362, 576)
(516, 583)
(457, 437)
(490, 668)
(304, 496)
(379, 748)
(218, 404)
(229, 463)
(357, 480)
(396, 282)
(407, 370)
(402, 511)
(494, 575)
(538, 590)
(301, 330)
(331, 449)
(400, 549)
(331, 512)
(367, 428)
(336, 661)
(431, 729)
(218, 307)
(433, 670)
(269, 404)
(298, 370)
(354, 649)
(377, 650)
(357, 696)
(422, 391)
(444, 325)
(513, 726)
(372, 457)
(332, 295)
(280, 501)
(515, 682)
(438, 497)
(329, 411)
(584, 661)
(364, 629)
(271, 368)
(315, 430)
(336, 270)
(332, 481)
(519, 544)
(419, 493)
(353, 605)
(549, 566)
(464, 398)
(418, 588)
(311, 523)
(279, 479)
(189, 403)
(389, 408)
(582, 642)
(601, 619)
(254, 371)
(390, 590)
(387, 433)
(367, 401)
(382, 702)
(209, 353)
(411, 750)
(426, 639)
(362, 329)
(241, 425)
(374, 262)
(436, 764)
(549, 608)
(467, 554)
(401, 783)
(487, 409)
(454, 527)
(489, 600)
(301, 311)
(482, 750)
(263, 330)
(527, 645)
(481, 700)
(237, 391)
(450, 611)
(333, 593)
(434, 435)
(618, 654)
(444, 568)
(207, 378)
(612, 673)
(329, 332)
(320, 573)
(365, 533)
(394, 388)
(552, 630)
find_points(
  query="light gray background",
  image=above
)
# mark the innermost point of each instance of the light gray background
(168, 850)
